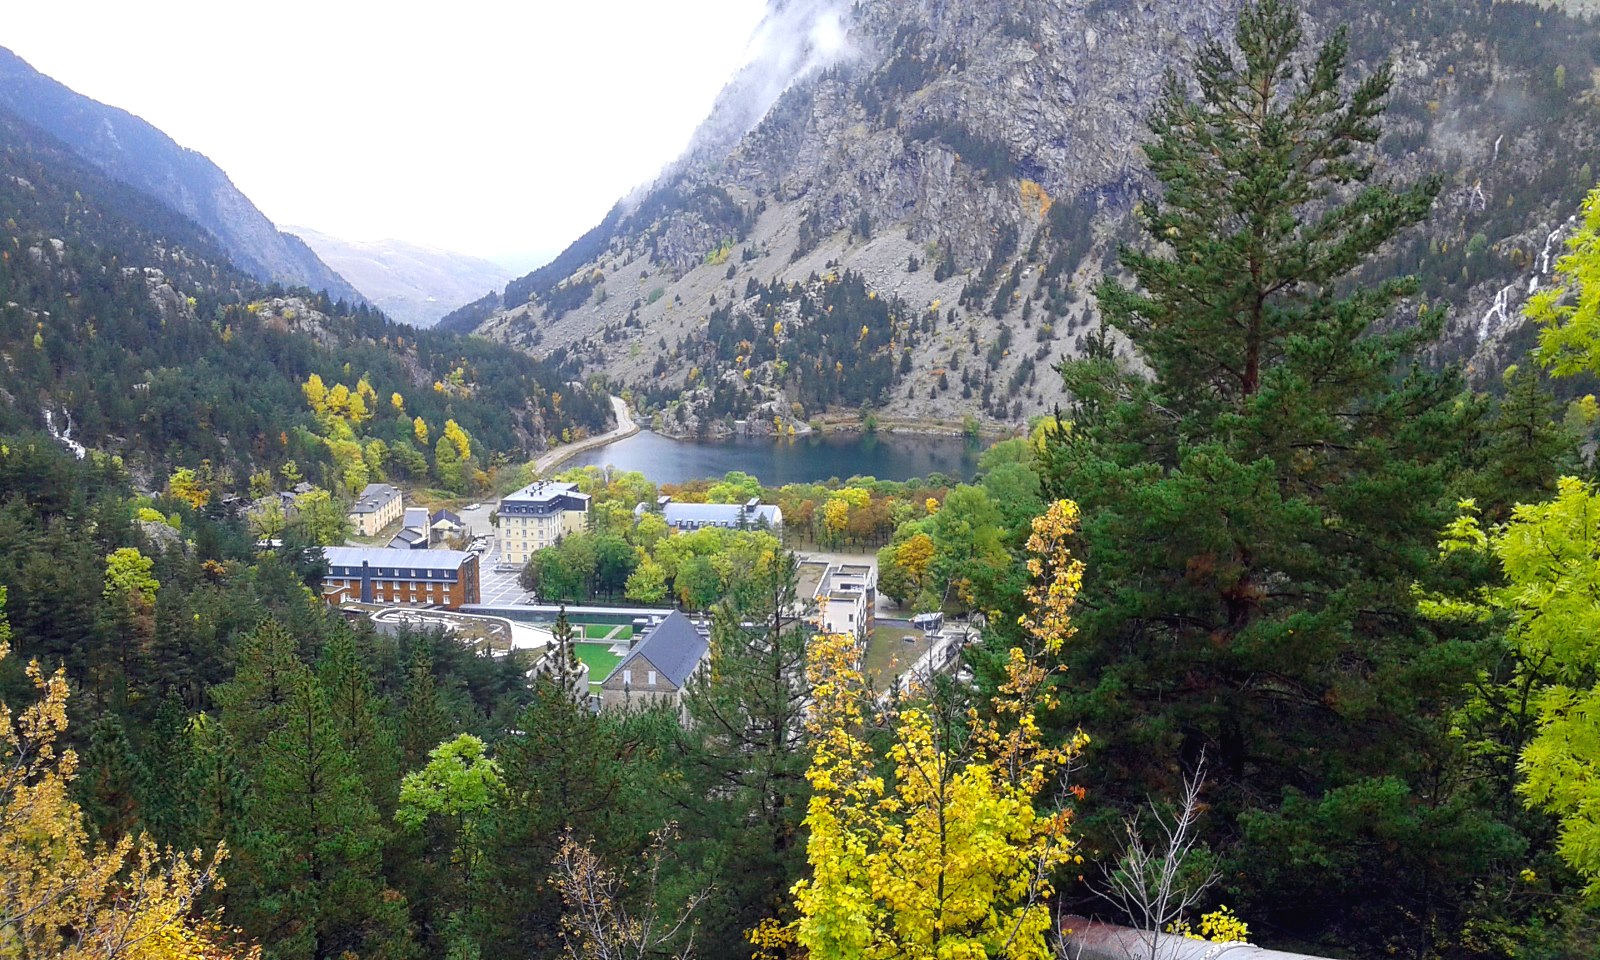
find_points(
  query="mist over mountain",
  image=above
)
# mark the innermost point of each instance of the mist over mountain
(974, 165)
(130, 150)
(410, 282)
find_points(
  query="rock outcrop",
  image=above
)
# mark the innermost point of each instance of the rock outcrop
(976, 164)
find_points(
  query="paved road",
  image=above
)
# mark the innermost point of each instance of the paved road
(559, 455)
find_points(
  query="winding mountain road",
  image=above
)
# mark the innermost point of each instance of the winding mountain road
(556, 456)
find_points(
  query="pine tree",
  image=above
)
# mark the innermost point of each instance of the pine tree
(561, 665)
(357, 716)
(746, 753)
(252, 703)
(310, 845)
(566, 768)
(1257, 506)
(423, 721)
(1526, 447)
(113, 779)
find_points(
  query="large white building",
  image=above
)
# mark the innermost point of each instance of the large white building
(847, 599)
(837, 597)
(751, 515)
(537, 516)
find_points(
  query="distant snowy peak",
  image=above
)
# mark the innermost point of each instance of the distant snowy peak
(411, 283)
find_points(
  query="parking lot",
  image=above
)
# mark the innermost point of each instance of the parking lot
(498, 586)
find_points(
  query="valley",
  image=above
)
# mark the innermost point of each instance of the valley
(1033, 479)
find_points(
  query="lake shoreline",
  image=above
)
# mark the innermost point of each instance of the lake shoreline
(845, 423)
(815, 456)
(625, 428)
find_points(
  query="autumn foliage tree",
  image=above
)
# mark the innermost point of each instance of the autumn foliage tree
(62, 895)
(948, 854)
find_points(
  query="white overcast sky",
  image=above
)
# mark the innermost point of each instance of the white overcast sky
(502, 130)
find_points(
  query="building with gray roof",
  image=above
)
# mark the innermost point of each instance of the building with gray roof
(537, 516)
(659, 666)
(445, 578)
(750, 515)
(378, 506)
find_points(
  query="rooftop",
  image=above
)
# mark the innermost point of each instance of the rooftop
(395, 557)
(808, 578)
(731, 514)
(374, 497)
(543, 491)
(673, 646)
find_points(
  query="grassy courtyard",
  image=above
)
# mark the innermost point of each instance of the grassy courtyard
(599, 658)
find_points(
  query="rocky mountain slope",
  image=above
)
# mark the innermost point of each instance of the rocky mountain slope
(911, 226)
(128, 149)
(409, 282)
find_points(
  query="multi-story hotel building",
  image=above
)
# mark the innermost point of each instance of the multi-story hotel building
(537, 516)
(439, 578)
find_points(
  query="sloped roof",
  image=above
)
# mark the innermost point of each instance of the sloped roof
(731, 514)
(409, 539)
(673, 646)
(373, 498)
(396, 557)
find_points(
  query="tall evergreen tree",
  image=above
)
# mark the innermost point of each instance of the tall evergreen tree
(310, 845)
(112, 780)
(358, 718)
(1259, 498)
(269, 668)
(423, 719)
(561, 665)
(565, 768)
(746, 755)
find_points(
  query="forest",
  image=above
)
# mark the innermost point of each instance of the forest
(1271, 585)
(126, 322)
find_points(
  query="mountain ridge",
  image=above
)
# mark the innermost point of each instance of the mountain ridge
(980, 162)
(131, 150)
(127, 323)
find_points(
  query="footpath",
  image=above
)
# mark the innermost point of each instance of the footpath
(556, 456)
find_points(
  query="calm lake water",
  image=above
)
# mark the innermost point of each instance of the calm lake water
(887, 456)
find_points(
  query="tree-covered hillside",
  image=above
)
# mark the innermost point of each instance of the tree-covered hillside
(126, 321)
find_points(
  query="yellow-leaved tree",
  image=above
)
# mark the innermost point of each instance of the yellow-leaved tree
(949, 855)
(62, 895)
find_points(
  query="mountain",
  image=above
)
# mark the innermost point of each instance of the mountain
(951, 176)
(128, 149)
(124, 324)
(411, 283)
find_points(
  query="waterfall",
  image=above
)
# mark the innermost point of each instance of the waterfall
(64, 437)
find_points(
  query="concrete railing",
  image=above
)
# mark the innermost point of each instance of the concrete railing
(1091, 940)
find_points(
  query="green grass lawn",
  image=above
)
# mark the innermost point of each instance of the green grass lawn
(604, 631)
(600, 659)
(889, 653)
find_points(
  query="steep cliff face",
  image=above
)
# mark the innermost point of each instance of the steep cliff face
(971, 167)
(128, 149)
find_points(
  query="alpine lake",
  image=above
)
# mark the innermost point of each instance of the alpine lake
(811, 458)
